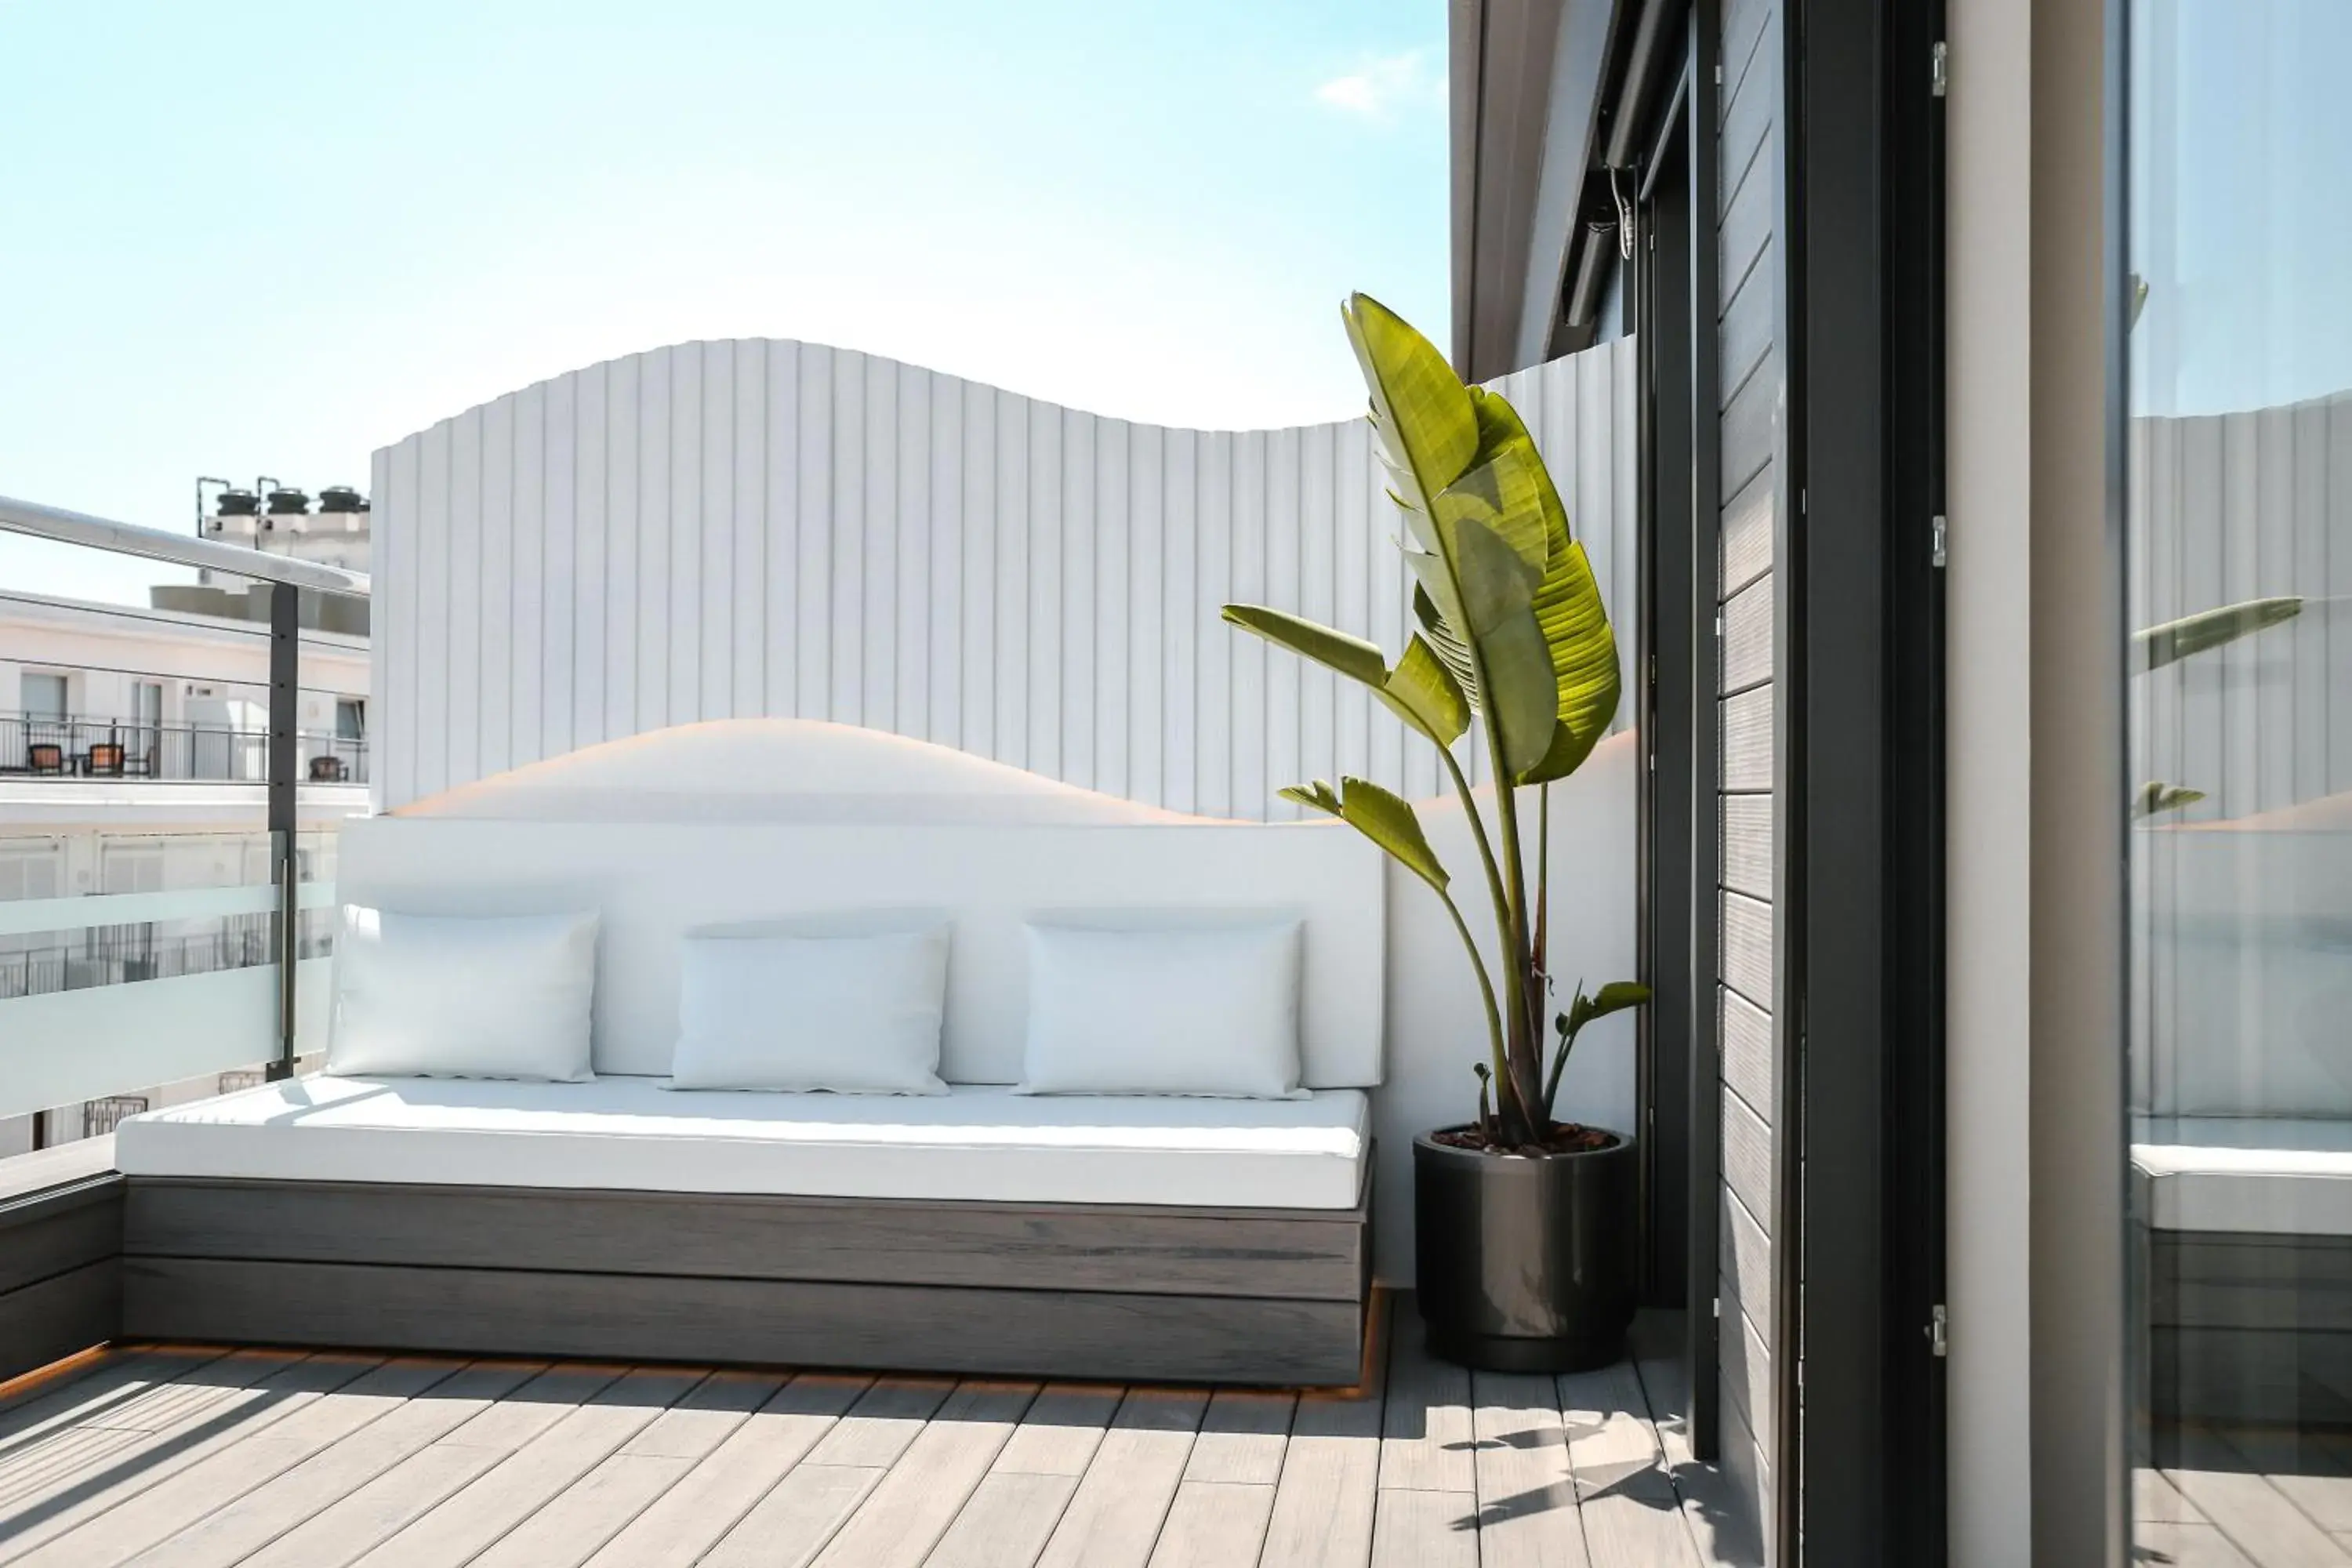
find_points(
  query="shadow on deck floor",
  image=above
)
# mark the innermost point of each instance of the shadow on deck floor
(180, 1456)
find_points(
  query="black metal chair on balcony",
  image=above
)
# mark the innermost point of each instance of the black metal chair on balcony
(43, 757)
(103, 760)
(328, 770)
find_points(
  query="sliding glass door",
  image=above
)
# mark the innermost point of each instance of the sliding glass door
(2239, 701)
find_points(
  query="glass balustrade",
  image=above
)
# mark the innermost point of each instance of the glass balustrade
(142, 920)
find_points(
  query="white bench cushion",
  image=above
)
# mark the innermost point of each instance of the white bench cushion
(631, 1134)
(2252, 1174)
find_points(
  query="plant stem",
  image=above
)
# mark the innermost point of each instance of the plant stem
(1485, 984)
(1526, 1077)
(1478, 830)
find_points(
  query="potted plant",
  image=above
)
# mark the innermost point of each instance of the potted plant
(1524, 1222)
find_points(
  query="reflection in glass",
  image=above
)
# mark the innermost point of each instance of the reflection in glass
(2240, 711)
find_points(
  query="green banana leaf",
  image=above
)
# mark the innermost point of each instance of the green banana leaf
(1471, 498)
(1568, 610)
(1420, 689)
(2175, 640)
(2156, 795)
(1387, 819)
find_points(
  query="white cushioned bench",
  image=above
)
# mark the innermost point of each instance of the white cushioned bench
(1115, 1236)
(2251, 1175)
(979, 1142)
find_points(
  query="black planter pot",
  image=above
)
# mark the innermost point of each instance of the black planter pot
(1525, 1263)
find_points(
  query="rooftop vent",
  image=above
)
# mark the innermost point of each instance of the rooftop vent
(237, 503)
(288, 503)
(342, 499)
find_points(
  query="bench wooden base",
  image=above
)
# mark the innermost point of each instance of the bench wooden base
(1114, 1292)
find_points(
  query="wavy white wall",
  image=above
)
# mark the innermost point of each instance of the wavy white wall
(757, 528)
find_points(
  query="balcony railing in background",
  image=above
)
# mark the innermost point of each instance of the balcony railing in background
(124, 955)
(79, 746)
(115, 997)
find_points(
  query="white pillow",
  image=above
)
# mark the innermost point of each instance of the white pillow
(1198, 1011)
(856, 1014)
(451, 996)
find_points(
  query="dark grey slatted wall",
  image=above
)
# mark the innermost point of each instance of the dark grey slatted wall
(1750, 397)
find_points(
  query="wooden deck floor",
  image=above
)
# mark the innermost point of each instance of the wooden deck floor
(2241, 1496)
(184, 1456)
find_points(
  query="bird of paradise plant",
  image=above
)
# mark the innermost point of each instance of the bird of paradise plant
(1513, 638)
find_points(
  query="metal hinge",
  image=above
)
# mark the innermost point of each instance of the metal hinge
(1940, 541)
(1718, 1307)
(1939, 69)
(1718, 73)
(1939, 1343)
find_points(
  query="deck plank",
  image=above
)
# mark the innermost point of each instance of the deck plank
(2155, 1499)
(2312, 1474)
(272, 1460)
(113, 1380)
(1113, 1519)
(597, 1507)
(1325, 1501)
(794, 1522)
(1242, 1438)
(1006, 1521)
(242, 1527)
(1624, 1495)
(694, 1515)
(1721, 1533)
(1214, 1524)
(463, 1526)
(235, 1397)
(1416, 1529)
(1062, 1429)
(2248, 1508)
(414, 1486)
(886, 1417)
(2178, 1545)
(912, 1506)
(1526, 1497)
(237, 1471)
(1425, 1439)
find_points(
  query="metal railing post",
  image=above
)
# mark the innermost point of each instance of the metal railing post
(285, 692)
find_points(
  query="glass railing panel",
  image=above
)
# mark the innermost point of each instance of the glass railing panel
(332, 786)
(138, 905)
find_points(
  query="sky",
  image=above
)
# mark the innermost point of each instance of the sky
(2242, 215)
(239, 239)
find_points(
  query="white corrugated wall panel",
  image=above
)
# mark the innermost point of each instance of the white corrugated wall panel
(762, 528)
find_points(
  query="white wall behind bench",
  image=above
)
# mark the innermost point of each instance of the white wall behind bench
(763, 528)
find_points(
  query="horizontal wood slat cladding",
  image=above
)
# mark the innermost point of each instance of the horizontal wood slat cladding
(48, 1233)
(1745, 824)
(1746, 740)
(1748, 117)
(1747, 520)
(1748, 636)
(1748, 1054)
(1747, 1263)
(1037, 1333)
(51, 1320)
(1745, 339)
(1746, 1372)
(770, 529)
(60, 1282)
(2280, 1284)
(1301, 1254)
(1748, 947)
(1750, 367)
(1751, 426)
(1747, 1154)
